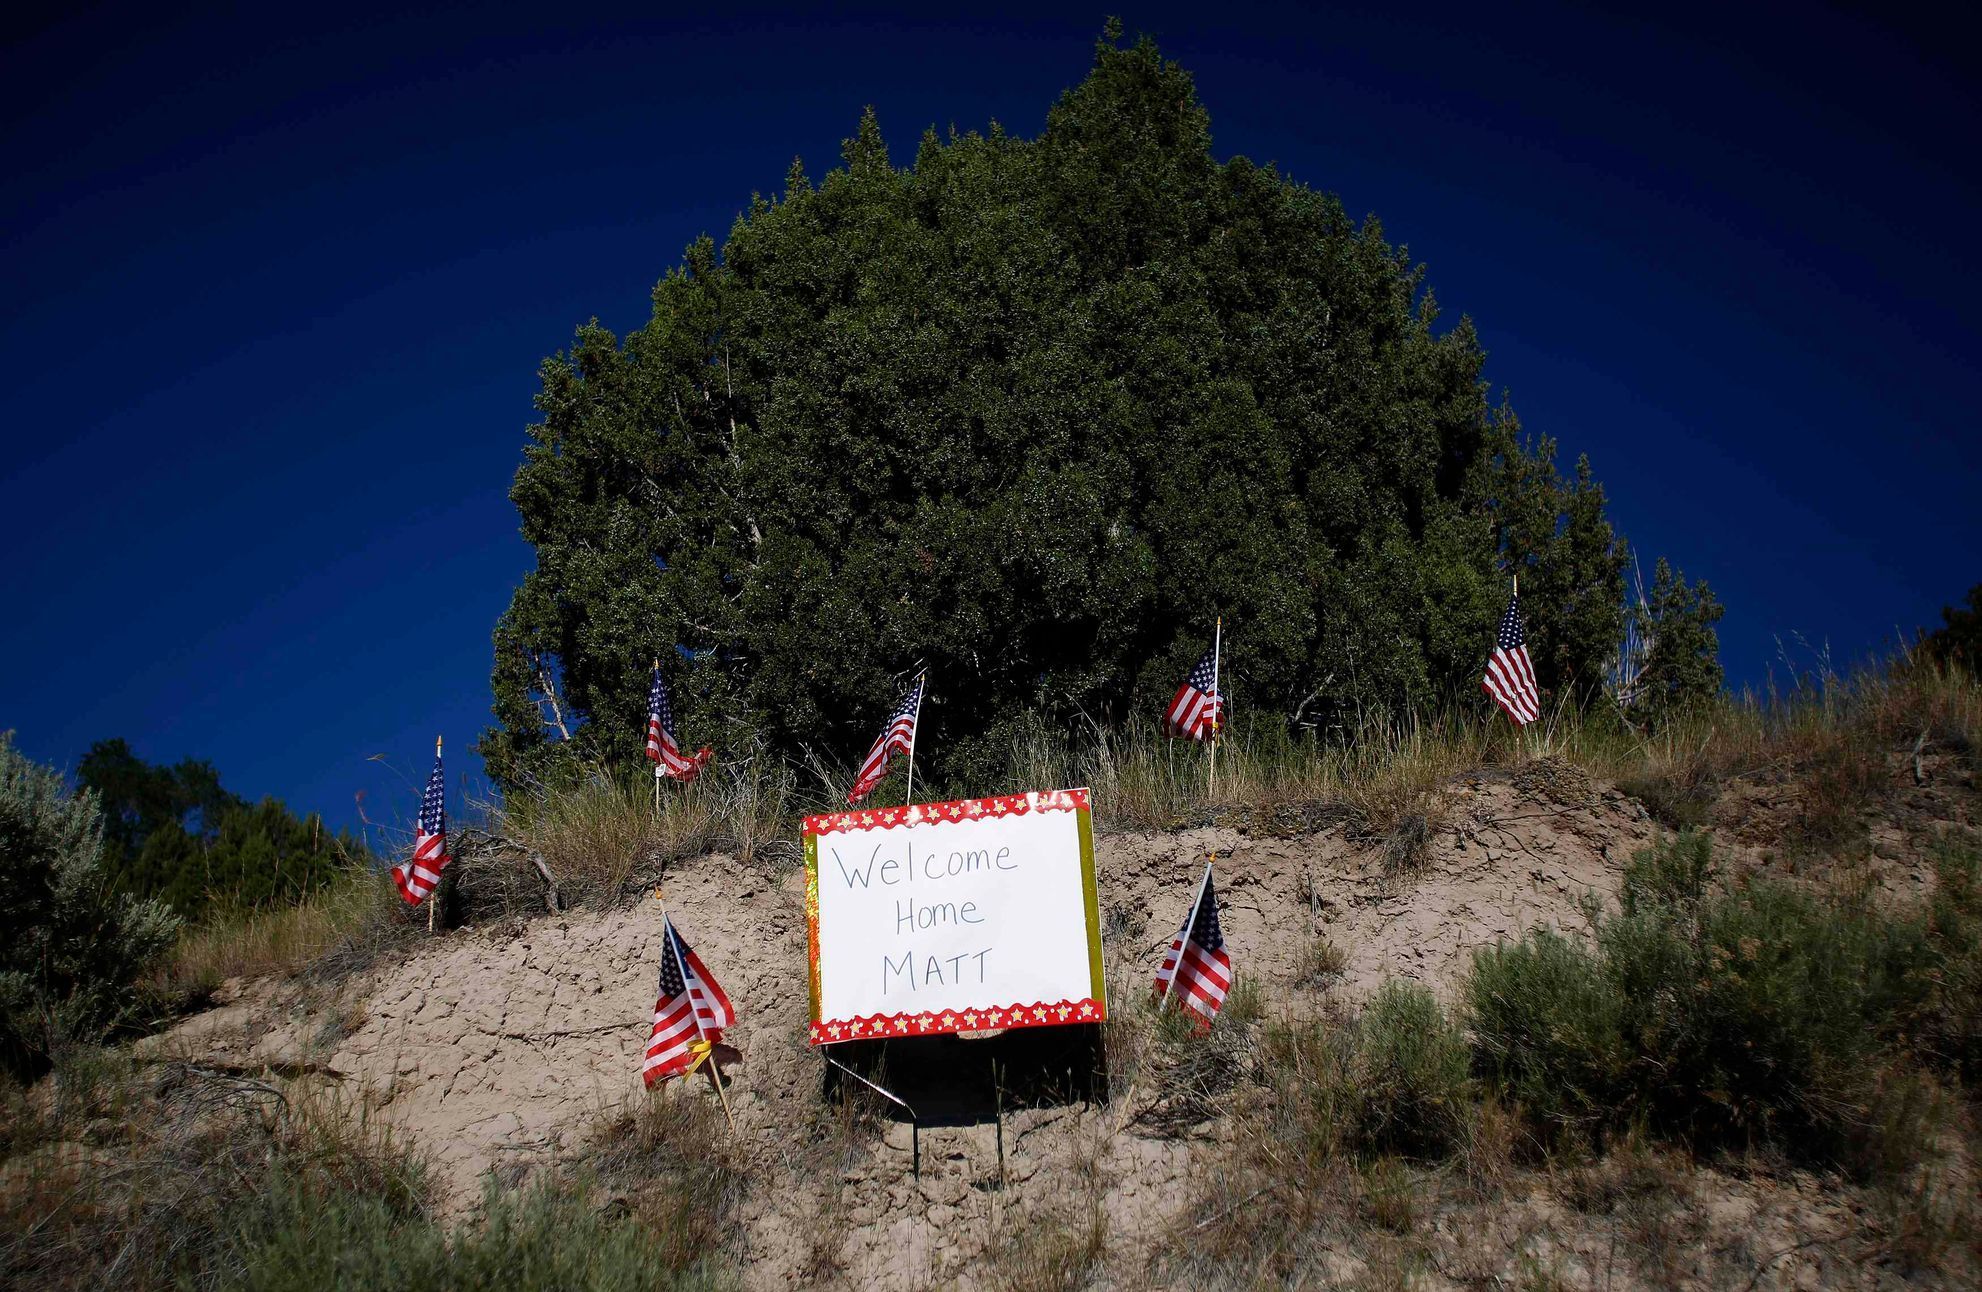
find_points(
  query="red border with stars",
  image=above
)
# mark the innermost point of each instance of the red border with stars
(831, 1031)
(874, 1026)
(955, 810)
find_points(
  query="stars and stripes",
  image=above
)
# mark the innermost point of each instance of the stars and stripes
(689, 1016)
(1197, 709)
(897, 737)
(417, 875)
(661, 746)
(1510, 675)
(1197, 970)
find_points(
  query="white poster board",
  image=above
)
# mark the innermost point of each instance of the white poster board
(968, 916)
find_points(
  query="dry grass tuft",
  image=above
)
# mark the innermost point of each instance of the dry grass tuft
(343, 927)
(1170, 1074)
(1050, 1251)
(668, 1162)
(151, 1178)
(1322, 960)
(602, 838)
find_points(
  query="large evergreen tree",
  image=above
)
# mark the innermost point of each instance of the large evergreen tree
(1031, 412)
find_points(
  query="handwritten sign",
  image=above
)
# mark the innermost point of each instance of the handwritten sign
(953, 917)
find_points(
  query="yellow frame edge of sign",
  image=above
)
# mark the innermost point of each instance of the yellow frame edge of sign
(812, 920)
(1097, 980)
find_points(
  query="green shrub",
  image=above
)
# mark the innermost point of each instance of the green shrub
(1712, 1012)
(70, 948)
(1548, 1028)
(1949, 1029)
(1678, 870)
(1411, 1092)
(1392, 1083)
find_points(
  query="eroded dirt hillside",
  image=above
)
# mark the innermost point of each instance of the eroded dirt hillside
(500, 1047)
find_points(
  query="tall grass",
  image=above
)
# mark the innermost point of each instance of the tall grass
(155, 1178)
(608, 830)
(183, 1177)
(344, 925)
(1349, 1113)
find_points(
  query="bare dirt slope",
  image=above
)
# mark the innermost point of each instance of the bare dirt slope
(500, 1047)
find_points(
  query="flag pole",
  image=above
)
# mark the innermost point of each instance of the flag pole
(660, 899)
(681, 967)
(1520, 732)
(1189, 924)
(1129, 1096)
(433, 896)
(657, 762)
(1217, 707)
(913, 732)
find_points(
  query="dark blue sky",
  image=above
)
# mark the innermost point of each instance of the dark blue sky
(277, 285)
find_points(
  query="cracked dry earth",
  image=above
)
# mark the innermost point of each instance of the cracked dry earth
(499, 1048)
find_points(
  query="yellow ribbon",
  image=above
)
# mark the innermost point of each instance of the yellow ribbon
(701, 1050)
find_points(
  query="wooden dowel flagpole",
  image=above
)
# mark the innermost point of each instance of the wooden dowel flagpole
(681, 966)
(660, 899)
(1128, 1097)
(914, 731)
(1189, 924)
(433, 894)
(1521, 730)
(657, 762)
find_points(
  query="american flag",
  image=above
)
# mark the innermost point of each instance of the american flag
(417, 875)
(661, 746)
(1196, 970)
(1510, 675)
(1197, 708)
(691, 1008)
(897, 737)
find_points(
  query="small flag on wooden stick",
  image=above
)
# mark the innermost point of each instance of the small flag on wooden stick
(690, 1014)
(419, 873)
(1197, 970)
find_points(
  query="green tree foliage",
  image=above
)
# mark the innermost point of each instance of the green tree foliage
(1959, 638)
(1031, 412)
(1682, 662)
(139, 798)
(1555, 535)
(174, 833)
(70, 947)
